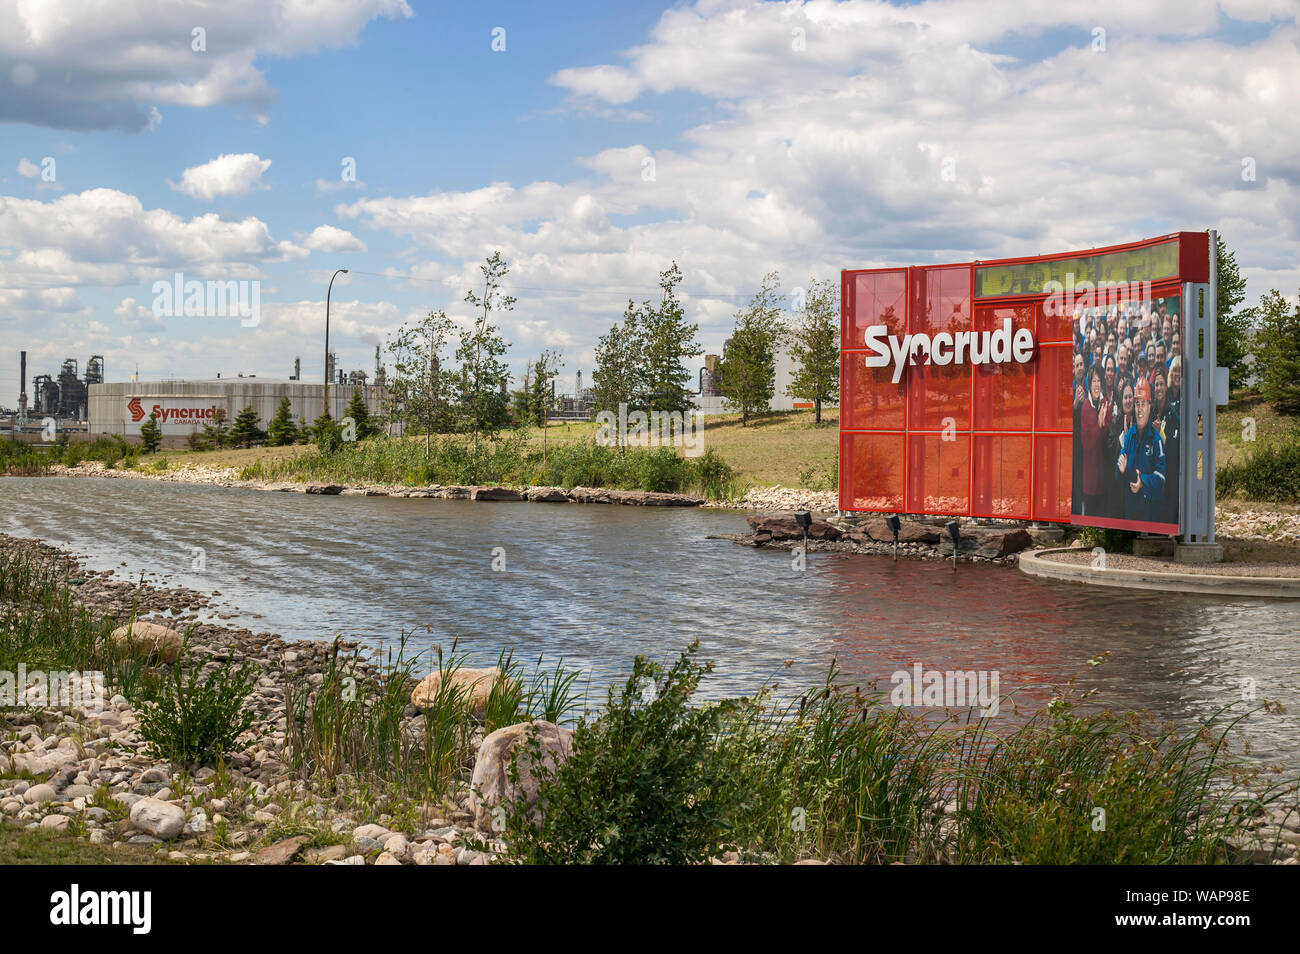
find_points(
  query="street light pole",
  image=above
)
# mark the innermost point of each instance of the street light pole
(327, 339)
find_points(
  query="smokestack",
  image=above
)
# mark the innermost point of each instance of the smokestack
(22, 383)
(297, 369)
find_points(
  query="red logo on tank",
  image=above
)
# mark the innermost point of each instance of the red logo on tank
(137, 412)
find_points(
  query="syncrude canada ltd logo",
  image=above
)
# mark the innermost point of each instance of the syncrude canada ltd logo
(137, 411)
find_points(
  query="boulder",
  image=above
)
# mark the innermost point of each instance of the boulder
(547, 495)
(908, 532)
(456, 493)
(282, 852)
(329, 490)
(782, 526)
(490, 784)
(477, 683)
(989, 542)
(496, 493)
(152, 639)
(159, 819)
(39, 794)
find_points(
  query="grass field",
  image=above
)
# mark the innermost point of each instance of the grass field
(776, 449)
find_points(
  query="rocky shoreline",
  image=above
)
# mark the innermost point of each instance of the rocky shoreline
(229, 477)
(56, 764)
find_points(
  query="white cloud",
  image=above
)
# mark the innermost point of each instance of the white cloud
(28, 169)
(229, 174)
(106, 237)
(85, 64)
(328, 238)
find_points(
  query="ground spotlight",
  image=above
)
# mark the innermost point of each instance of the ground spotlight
(892, 522)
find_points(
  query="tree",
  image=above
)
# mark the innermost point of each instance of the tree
(483, 375)
(326, 433)
(217, 434)
(1232, 327)
(282, 430)
(419, 390)
(360, 414)
(667, 340)
(539, 387)
(245, 431)
(304, 431)
(1277, 351)
(747, 371)
(618, 378)
(815, 347)
(150, 434)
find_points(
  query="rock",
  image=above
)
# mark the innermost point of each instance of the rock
(99, 837)
(782, 526)
(55, 822)
(39, 794)
(326, 855)
(490, 784)
(198, 822)
(398, 847)
(282, 852)
(368, 846)
(909, 531)
(328, 490)
(151, 639)
(477, 683)
(547, 495)
(352, 860)
(443, 855)
(496, 493)
(386, 859)
(157, 818)
(378, 832)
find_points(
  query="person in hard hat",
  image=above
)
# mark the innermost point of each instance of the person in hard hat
(1141, 463)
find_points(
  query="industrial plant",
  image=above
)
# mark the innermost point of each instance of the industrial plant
(86, 405)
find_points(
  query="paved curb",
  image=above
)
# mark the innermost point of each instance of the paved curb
(1276, 587)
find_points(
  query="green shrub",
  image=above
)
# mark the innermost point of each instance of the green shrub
(641, 786)
(197, 723)
(1271, 473)
(1112, 541)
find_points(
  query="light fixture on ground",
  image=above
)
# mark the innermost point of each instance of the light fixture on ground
(804, 519)
(892, 522)
(954, 532)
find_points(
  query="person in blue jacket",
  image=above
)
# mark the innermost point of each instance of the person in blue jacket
(1140, 467)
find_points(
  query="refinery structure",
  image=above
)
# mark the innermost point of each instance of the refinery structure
(86, 405)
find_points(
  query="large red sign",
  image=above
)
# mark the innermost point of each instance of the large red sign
(1044, 388)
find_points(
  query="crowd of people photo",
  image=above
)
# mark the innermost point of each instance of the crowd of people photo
(1127, 388)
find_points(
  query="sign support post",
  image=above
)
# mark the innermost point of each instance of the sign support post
(1199, 410)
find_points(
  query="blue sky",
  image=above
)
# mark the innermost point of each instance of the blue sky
(768, 156)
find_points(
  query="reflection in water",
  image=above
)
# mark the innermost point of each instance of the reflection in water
(600, 584)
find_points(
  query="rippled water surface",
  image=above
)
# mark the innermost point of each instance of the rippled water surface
(600, 584)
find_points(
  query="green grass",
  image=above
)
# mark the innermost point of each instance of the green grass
(21, 846)
(511, 460)
(27, 460)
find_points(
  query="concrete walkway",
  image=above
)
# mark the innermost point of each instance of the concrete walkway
(1039, 563)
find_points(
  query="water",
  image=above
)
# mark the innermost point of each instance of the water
(599, 584)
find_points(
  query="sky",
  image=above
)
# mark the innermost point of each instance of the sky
(275, 141)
